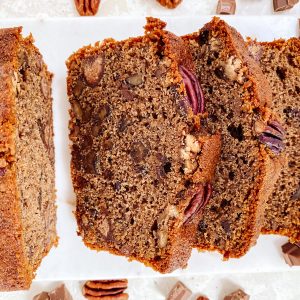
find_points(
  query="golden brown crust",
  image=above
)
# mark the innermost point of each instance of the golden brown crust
(13, 263)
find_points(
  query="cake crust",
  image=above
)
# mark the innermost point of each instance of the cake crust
(16, 270)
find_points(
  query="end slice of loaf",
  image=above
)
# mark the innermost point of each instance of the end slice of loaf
(280, 63)
(141, 166)
(238, 100)
(27, 192)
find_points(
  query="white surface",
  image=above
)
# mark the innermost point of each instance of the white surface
(57, 39)
(262, 286)
(66, 8)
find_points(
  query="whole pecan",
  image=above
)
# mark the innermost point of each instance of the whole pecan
(169, 3)
(105, 289)
(199, 200)
(87, 7)
(272, 135)
(195, 95)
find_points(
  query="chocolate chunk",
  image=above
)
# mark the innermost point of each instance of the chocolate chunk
(291, 254)
(296, 195)
(2, 171)
(226, 226)
(226, 7)
(41, 296)
(280, 5)
(60, 293)
(179, 292)
(237, 295)
(203, 37)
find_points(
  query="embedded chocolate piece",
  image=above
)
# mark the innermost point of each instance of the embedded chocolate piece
(41, 296)
(291, 254)
(60, 293)
(179, 292)
(226, 7)
(237, 295)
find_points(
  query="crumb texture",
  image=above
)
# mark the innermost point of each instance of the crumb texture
(280, 62)
(232, 86)
(27, 209)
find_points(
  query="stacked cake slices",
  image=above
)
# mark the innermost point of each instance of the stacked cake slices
(175, 144)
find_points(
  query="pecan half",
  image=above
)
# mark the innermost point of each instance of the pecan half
(199, 200)
(195, 96)
(272, 136)
(110, 289)
(87, 7)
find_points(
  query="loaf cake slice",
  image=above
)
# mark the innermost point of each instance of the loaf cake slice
(27, 197)
(141, 166)
(280, 63)
(238, 98)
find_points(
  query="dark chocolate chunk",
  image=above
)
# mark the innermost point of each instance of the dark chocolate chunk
(226, 7)
(291, 254)
(179, 292)
(60, 293)
(280, 5)
(237, 295)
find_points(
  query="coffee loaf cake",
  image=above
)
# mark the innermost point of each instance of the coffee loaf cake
(27, 198)
(238, 98)
(141, 165)
(280, 63)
